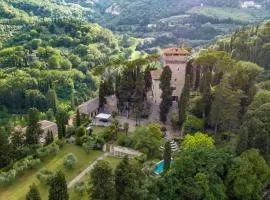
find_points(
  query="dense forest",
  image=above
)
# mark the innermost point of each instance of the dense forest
(52, 60)
(249, 43)
(56, 54)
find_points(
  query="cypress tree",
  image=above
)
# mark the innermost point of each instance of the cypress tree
(101, 94)
(138, 96)
(206, 95)
(52, 99)
(78, 118)
(242, 144)
(61, 120)
(49, 138)
(128, 181)
(167, 154)
(183, 102)
(108, 86)
(33, 193)
(165, 86)
(126, 87)
(147, 78)
(72, 101)
(102, 182)
(58, 187)
(122, 178)
(33, 130)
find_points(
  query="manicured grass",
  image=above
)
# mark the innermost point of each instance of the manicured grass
(20, 187)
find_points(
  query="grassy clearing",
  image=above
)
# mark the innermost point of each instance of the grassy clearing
(18, 190)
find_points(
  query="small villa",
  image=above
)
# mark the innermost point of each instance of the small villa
(45, 126)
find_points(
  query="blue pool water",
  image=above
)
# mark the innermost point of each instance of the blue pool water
(160, 167)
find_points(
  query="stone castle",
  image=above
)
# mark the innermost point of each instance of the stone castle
(176, 59)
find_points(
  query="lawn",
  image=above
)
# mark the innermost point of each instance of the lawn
(114, 161)
(17, 190)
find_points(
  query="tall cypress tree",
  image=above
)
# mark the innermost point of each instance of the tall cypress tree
(138, 96)
(58, 187)
(183, 102)
(49, 137)
(122, 178)
(102, 182)
(128, 181)
(206, 95)
(167, 154)
(165, 86)
(101, 94)
(147, 78)
(126, 87)
(33, 130)
(61, 120)
(33, 193)
(52, 99)
(78, 118)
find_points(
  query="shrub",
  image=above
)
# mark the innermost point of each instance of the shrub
(141, 158)
(124, 141)
(25, 164)
(88, 146)
(45, 176)
(70, 131)
(20, 167)
(60, 143)
(80, 188)
(80, 131)
(69, 161)
(7, 177)
(45, 151)
(193, 124)
(163, 129)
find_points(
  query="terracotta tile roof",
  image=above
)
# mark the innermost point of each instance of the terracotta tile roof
(180, 51)
(89, 106)
(46, 124)
(155, 74)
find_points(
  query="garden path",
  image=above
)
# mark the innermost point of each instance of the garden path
(86, 171)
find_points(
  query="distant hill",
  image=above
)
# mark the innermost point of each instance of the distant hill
(165, 22)
(160, 22)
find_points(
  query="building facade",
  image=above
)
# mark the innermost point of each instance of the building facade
(176, 59)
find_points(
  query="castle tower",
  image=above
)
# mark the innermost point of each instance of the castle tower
(176, 59)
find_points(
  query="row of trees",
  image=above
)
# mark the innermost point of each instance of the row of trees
(226, 89)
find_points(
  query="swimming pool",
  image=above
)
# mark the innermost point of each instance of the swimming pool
(160, 167)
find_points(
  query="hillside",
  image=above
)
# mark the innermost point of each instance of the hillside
(160, 22)
(60, 54)
(164, 23)
(249, 43)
